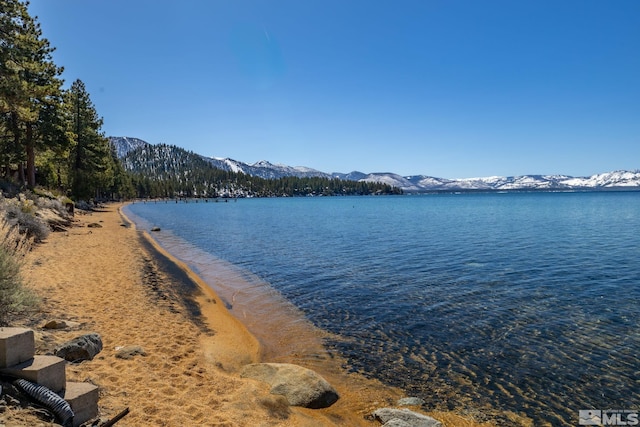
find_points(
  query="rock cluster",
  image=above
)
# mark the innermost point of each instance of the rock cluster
(304, 387)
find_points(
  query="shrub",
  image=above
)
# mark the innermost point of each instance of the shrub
(56, 205)
(9, 188)
(21, 213)
(84, 205)
(14, 297)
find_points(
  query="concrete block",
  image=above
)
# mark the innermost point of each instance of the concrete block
(17, 345)
(48, 371)
(83, 398)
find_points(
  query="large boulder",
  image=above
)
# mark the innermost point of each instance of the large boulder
(300, 386)
(84, 347)
(404, 418)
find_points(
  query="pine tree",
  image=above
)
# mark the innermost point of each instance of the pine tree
(91, 162)
(29, 87)
(55, 133)
(122, 187)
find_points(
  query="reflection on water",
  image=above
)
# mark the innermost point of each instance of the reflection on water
(518, 303)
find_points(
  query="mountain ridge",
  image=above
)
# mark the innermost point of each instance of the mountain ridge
(620, 179)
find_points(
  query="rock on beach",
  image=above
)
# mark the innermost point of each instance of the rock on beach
(301, 386)
(84, 347)
(60, 324)
(129, 351)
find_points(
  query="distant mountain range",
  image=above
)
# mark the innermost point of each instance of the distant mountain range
(617, 180)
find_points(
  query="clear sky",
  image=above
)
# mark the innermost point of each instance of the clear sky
(446, 88)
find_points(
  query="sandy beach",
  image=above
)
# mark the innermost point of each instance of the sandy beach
(113, 280)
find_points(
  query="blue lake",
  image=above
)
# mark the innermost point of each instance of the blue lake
(499, 303)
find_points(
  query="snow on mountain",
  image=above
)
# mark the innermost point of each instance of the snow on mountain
(392, 179)
(618, 179)
(351, 176)
(124, 144)
(422, 183)
(524, 182)
(418, 183)
(264, 167)
(607, 180)
(226, 164)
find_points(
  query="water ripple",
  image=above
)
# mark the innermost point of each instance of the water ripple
(522, 303)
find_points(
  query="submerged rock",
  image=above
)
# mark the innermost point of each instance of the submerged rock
(396, 423)
(301, 386)
(404, 418)
(410, 401)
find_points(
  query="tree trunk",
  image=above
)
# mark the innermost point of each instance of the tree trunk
(59, 178)
(21, 178)
(15, 129)
(31, 158)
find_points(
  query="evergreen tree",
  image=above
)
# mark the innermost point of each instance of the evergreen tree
(122, 187)
(29, 88)
(91, 162)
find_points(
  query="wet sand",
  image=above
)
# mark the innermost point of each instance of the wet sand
(114, 280)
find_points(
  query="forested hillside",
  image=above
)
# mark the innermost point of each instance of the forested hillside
(170, 171)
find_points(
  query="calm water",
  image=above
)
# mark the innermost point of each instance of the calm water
(523, 303)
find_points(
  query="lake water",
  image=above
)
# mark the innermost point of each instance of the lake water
(498, 303)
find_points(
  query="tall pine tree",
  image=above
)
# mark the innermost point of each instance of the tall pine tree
(30, 86)
(91, 163)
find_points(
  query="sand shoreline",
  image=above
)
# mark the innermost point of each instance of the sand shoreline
(117, 281)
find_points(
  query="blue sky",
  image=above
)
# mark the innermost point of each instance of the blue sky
(451, 88)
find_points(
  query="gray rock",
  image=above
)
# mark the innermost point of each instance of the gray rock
(301, 386)
(84, 347)
(60, 324)
(412, 419)
(396, 423)
(129, 351)
(410, 401)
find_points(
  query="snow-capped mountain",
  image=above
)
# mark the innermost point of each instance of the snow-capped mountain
(351, 176)
(617, 179)
(262, 169)
(609, 180)
(394, 180)
(125, 144)
(265, 169)
(629, 180)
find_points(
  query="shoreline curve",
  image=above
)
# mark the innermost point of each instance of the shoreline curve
(117, 281)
